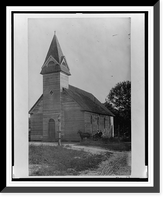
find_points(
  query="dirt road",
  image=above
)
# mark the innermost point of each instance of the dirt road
(118, 164)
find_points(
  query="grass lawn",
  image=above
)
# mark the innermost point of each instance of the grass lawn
(56, 160)
(107, 144)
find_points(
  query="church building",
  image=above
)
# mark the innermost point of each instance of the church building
(64, 105)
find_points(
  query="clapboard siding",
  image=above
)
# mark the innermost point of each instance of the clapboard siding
(51, 84)
(64, 80)
(73, 118)
(88, 122)
(38, 107)
(94, 122)
(36, 137)
(51, 102)
(36, 127)
(36, 122)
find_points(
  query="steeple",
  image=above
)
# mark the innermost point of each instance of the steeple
(55, 60)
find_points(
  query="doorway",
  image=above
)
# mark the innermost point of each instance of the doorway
(51, 130)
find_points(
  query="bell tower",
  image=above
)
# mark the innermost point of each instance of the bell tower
(56, 74)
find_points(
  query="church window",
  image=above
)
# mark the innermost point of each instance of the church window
(97, 120)
(109, 121)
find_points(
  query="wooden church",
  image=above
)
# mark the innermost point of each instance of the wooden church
(61, 103)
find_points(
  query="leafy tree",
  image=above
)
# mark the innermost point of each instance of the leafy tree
(118, 102)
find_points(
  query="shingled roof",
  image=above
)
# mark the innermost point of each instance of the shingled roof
(87, 101)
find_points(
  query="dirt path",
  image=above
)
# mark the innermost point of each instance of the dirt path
(93, 150)
(118, 164)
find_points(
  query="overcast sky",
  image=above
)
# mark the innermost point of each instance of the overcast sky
(97, 51)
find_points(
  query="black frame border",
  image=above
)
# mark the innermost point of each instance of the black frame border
(156, 187)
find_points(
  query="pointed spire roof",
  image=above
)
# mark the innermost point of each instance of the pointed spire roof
(55, 50)
(55, 60)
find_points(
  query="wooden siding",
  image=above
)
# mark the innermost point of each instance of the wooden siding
(64, 80)
(91, 122)
(73, 118)
(51, 83)
(94, 122)
(87, 122)
(36, 128)
(36, 138)
(38, 108)
(51, 102)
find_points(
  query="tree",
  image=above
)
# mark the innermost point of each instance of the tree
(118, 102)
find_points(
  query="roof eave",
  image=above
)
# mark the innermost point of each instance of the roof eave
(99, 113)
(35, 104)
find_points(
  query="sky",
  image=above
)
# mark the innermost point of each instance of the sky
(97, 51)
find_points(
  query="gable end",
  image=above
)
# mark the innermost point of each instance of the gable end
(36, 104)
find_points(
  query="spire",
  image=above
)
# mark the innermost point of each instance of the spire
(55, 50)
(55, 60)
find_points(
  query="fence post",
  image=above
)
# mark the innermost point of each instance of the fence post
(118, 132)
(59, 130)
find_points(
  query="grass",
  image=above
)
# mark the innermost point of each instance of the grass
(107, 144)
(56, 160)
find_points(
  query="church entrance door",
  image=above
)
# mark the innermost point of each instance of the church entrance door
(51, 130)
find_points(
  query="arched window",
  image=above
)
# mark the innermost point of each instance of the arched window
(51, 120)
(97, 120)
